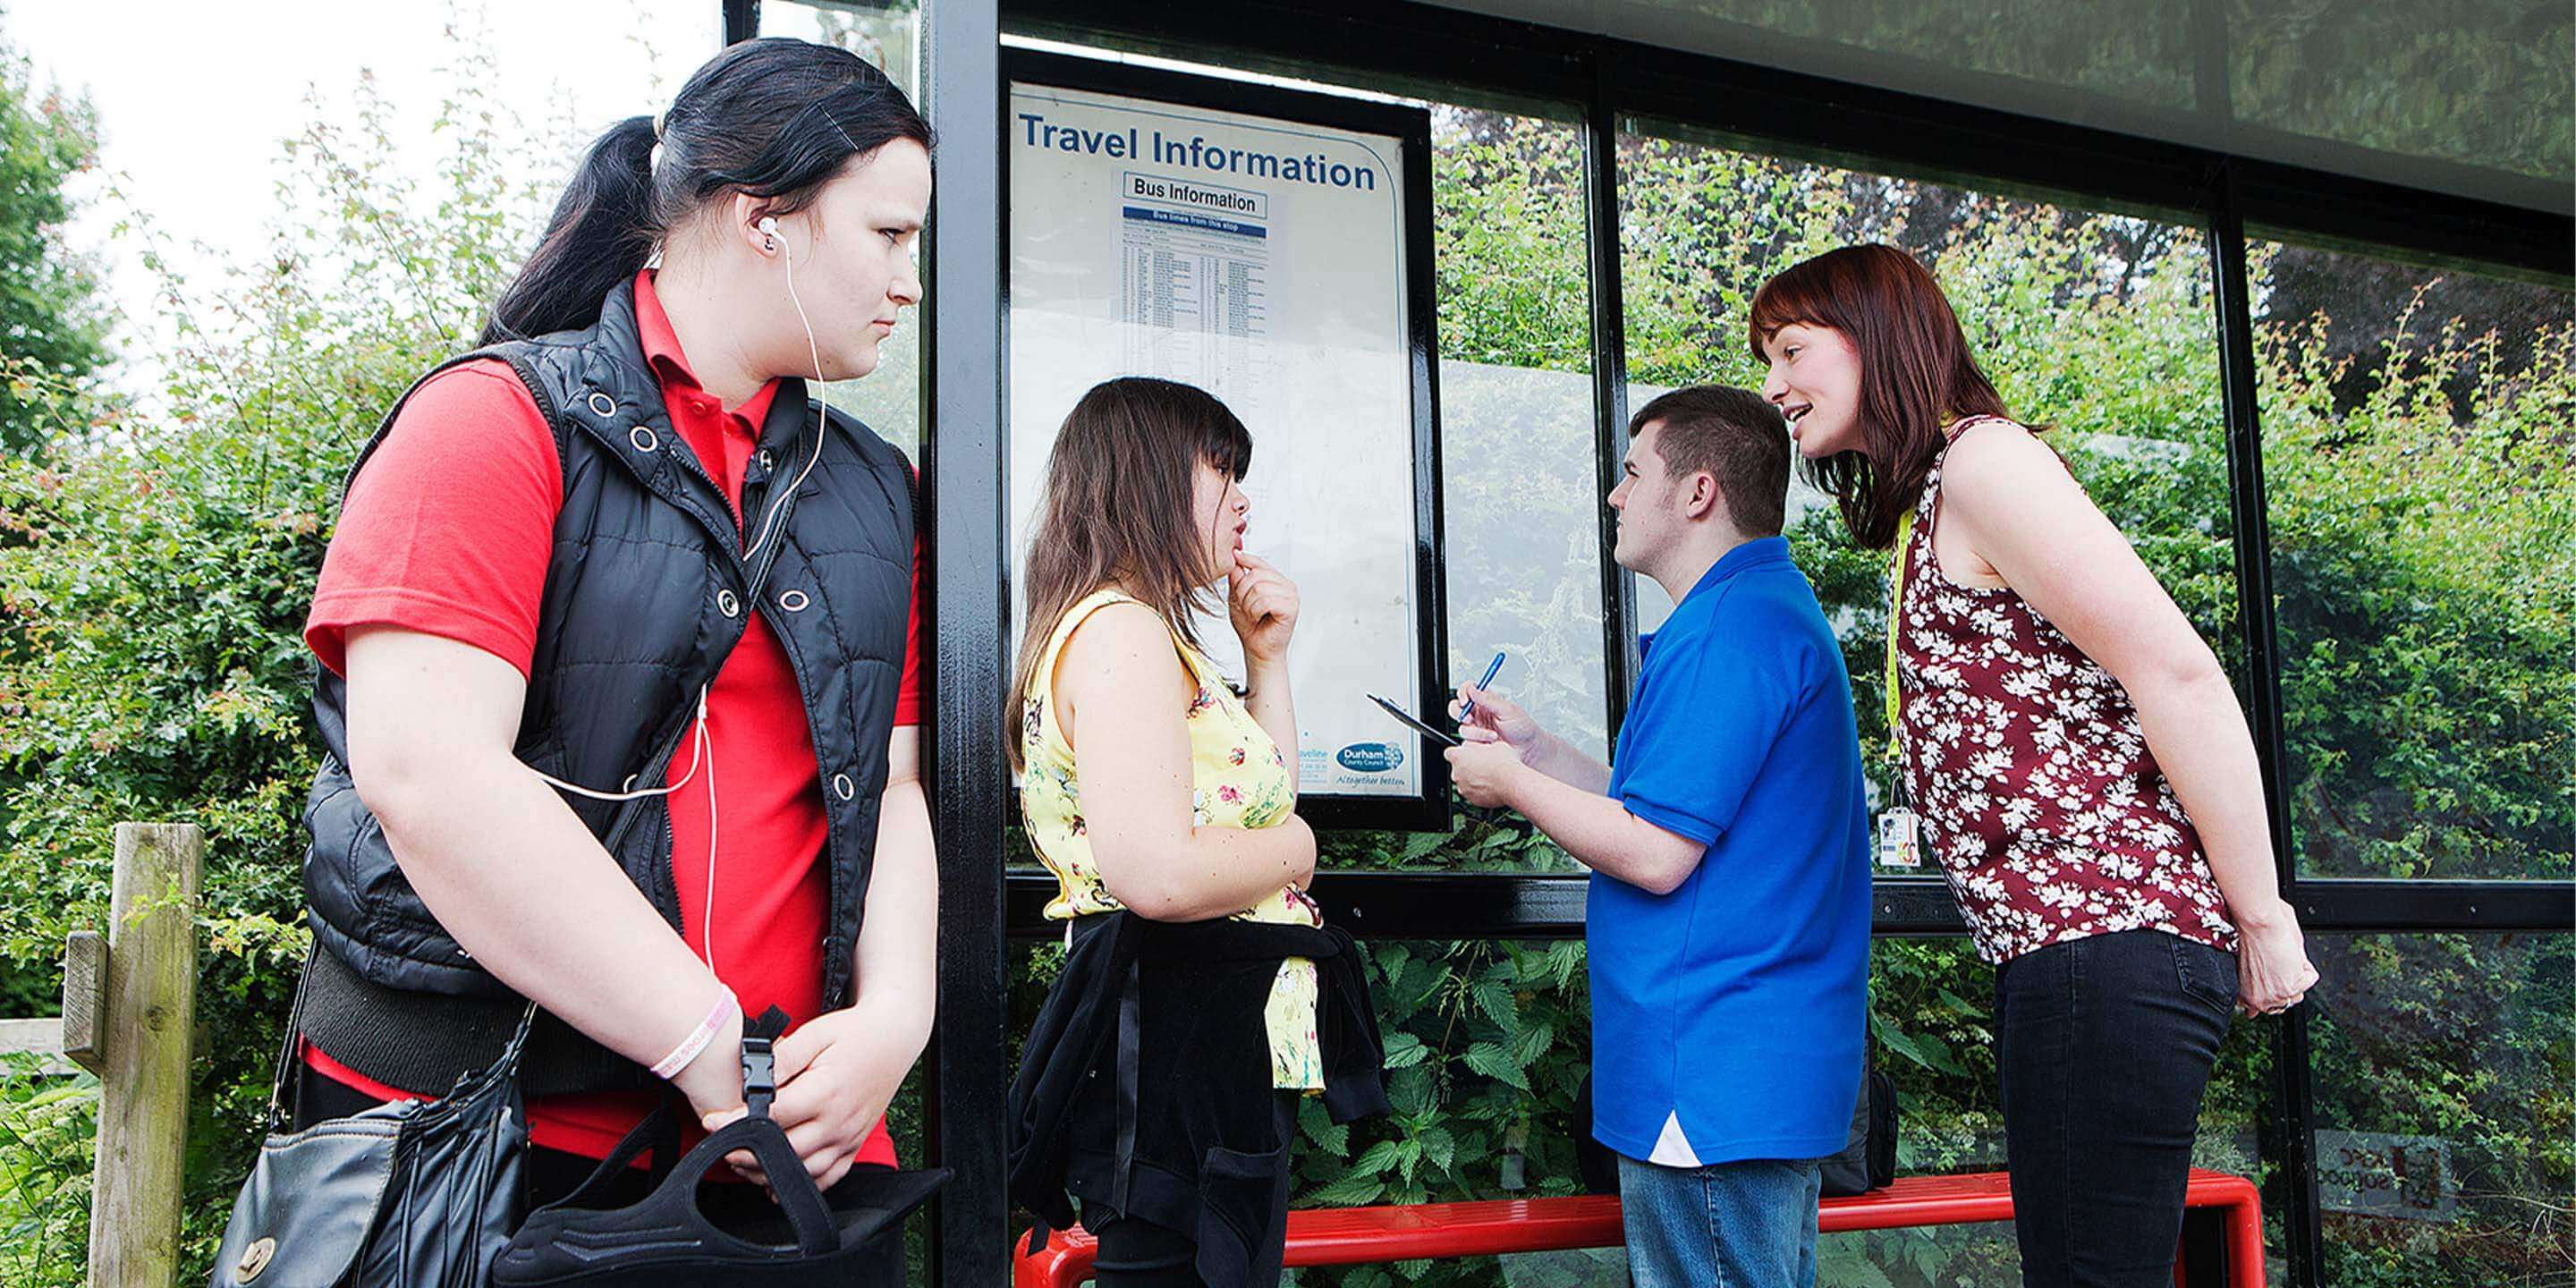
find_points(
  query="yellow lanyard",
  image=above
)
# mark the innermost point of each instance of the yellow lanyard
(1895, 605)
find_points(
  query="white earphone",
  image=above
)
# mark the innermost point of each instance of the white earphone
(768, 227)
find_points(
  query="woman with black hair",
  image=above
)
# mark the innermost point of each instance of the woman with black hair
(619, 643)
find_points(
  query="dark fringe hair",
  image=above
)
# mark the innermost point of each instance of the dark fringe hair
(1917, 375)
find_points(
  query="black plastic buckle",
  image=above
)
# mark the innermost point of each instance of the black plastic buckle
(759, 1064)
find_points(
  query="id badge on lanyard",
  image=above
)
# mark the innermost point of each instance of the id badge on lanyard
(1900, 838)
(1900, 830)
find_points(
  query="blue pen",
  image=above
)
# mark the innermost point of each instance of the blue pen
(1492, 669)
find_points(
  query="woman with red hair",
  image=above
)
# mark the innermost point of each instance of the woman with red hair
(2083, 772)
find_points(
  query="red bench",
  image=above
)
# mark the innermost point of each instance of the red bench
(2228, 1252)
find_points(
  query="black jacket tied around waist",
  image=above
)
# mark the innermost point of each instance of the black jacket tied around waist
(1145, 1087)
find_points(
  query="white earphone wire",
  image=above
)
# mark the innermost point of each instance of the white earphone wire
(698, 749)
(708, 918)
(768, 527)
(697, 755)
(769, 521)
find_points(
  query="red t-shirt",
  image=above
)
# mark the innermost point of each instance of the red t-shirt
(449, 530)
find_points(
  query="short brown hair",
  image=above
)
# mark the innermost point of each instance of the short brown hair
(1733, 436)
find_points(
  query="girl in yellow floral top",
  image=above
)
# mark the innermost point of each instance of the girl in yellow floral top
(1146, 783)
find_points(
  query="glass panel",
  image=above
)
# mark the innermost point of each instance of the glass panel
(2467, 96)
(2422, 497)
(885, 32)
(1520, 486)
(888, 34)
(2141, 53)
(2443, 1142)
(2480, 82)
(2113, 47)
(2098, 324)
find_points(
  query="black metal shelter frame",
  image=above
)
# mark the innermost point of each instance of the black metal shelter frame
(1607, 81)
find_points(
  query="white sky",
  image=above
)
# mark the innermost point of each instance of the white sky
(194, 98)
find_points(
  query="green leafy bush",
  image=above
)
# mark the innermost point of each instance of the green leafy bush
(51, 319)
(154, 577)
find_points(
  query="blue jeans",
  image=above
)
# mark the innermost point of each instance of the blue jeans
(1747, 1224)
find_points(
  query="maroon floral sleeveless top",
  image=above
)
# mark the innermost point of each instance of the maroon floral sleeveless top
(2036, 789)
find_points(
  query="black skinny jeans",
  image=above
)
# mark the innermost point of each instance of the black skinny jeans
(2105, 1045)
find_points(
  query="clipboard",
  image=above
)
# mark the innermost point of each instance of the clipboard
(1445, 740)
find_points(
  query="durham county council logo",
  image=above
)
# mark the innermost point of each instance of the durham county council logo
(1370, 757)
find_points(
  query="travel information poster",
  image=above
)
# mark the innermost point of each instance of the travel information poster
(1262, 260)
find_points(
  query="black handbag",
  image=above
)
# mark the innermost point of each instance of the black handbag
(1868, 1158)
(409, 1194)
(850, 1235)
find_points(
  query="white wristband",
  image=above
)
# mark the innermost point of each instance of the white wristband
(697, 1041)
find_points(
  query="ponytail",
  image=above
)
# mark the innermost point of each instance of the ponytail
(601, 233)
(775, 118)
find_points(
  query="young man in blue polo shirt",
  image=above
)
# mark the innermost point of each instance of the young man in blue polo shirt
(1729, 908)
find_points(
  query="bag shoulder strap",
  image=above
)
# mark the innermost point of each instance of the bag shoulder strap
(290, 1046)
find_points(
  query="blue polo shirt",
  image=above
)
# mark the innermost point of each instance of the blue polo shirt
(1727, 1016)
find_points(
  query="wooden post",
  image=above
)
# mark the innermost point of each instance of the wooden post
(143, 1095)
(85, 1000)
